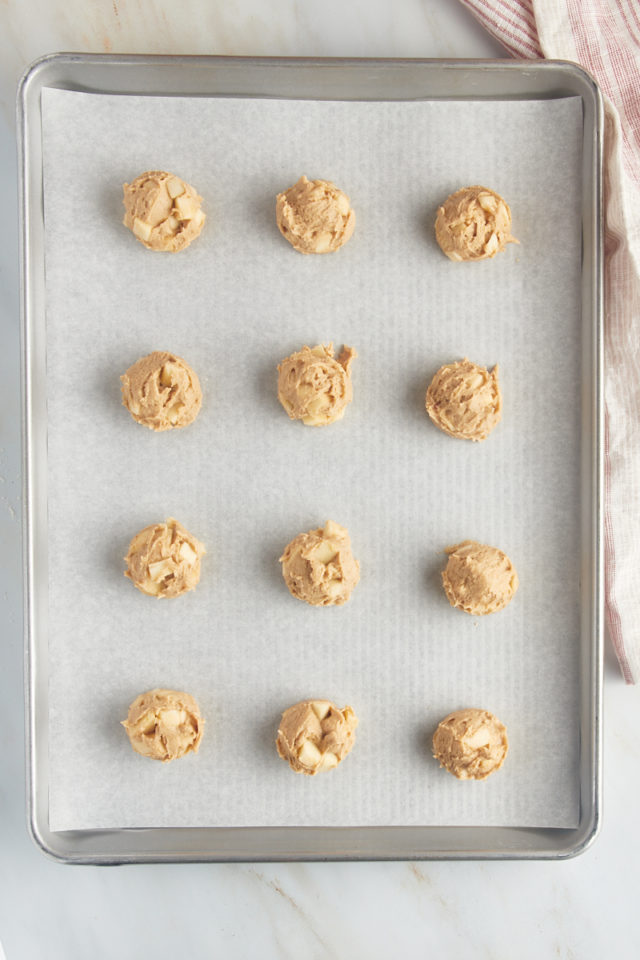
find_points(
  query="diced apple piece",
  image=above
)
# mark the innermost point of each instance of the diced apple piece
(329, 761)
(481, 738)
(141, 229)
(321, 708)
(159, 569)
(173, 718)
(315, 406)
(333, 529)
(323, 243)
(487, 202)
(324, 552)
(175, 187)
(349, 714)
(492, 244)
(166, 378)
(309, 754)
(146, 725)
(186, 207)
(334, 587)
(187, 553)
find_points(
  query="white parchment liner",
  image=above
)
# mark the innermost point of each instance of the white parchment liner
(245, 479)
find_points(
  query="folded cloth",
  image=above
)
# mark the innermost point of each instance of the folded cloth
(604, 37)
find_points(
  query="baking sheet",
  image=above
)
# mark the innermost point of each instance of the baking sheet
(245, 479)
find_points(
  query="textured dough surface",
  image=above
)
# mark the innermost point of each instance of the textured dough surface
(315, 216)
(464, 400)
(315, 387)
(162, 211)
(473, 223)
(164, 724)
(315, 735)
(164, 560)
(319, 568)
(161, 391)
(478, 579)
(471, 744)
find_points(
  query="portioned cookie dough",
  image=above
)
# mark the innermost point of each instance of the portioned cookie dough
(315, 216)
(478, 579)
(164, 560)
(315, 735)
(162, 211)
(314, 387)
(319, 568)
(474, 223)
(464, 400)
(470, 744)
(164, 724)
(161, 391)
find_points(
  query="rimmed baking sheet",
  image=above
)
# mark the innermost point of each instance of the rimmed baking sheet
(245, 480)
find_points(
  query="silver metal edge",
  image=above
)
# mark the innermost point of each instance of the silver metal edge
(25, 383)
(28, 79)
(37, 71)
(598, 416)
(584, 835)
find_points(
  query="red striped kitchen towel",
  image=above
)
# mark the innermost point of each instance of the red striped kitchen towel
(604, 37)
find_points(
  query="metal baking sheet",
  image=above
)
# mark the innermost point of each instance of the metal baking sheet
(422, 76)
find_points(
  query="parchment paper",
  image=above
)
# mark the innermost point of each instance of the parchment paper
(245, 479)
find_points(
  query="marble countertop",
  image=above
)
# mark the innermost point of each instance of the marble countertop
(583, 908)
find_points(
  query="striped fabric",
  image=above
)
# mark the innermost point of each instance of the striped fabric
(604, 36)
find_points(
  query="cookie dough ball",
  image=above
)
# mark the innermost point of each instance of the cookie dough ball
(164, 560)
(315, 735)
(474, 223)
(164, 724)
(315, 216)
(314, 387)
(464, 400)
(162, 211)
(478, 579)
(161, 391)
(470, 744)
(319, 568)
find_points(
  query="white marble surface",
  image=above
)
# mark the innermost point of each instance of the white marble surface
(584, 908)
